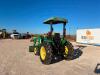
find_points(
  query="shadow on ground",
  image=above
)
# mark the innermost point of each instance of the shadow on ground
(76, 54)
(81, 46)
(97, 68)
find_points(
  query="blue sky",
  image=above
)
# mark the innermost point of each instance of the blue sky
(28, 15)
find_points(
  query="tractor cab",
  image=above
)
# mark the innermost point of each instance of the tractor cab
(56, 36)
(55, 21)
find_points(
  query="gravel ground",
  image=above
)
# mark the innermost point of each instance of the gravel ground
(15, 59)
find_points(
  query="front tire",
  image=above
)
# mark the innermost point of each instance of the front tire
(36, 51)
(46, 53)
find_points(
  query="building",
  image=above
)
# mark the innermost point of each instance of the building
(88, 36)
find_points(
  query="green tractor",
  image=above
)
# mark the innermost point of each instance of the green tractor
(52, 45)
(4, 34)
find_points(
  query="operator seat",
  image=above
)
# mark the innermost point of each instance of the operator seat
(57, 38)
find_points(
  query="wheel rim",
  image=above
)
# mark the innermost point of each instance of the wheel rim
(35, 50)
(43, 53)
(66, 50)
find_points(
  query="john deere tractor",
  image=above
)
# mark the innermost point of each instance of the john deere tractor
(52, 45)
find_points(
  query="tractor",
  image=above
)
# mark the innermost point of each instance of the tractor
(51, 45)
(4, 34)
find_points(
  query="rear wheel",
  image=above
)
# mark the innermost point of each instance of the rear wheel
(68, 51)
(46, 53)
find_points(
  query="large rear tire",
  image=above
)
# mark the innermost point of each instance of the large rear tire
(68, 51)
(46, 53)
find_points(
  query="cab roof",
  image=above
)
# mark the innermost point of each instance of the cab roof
(55, 20)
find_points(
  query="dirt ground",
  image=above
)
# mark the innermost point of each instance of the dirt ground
(15, 59)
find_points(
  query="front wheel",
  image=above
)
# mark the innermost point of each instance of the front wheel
(46, 53)
(36, 51)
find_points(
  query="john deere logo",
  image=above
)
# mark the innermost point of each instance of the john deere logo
(88, 33)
